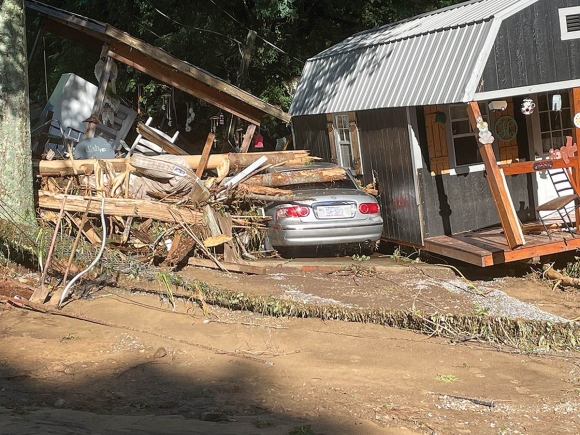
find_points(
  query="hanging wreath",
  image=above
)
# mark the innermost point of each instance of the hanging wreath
(506, 128)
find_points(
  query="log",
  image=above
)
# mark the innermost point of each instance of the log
(262, 190)
(61, 168)
(121, 207)
(288, 178)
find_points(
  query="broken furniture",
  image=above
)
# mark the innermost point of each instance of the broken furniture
(560, 205)
(152, 141)
(71, 103)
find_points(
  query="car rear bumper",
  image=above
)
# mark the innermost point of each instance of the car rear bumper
(300, 235)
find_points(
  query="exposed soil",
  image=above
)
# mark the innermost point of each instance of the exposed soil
(158, 370)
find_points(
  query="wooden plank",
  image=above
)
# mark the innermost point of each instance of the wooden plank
(120, 207)
(201, 76)
(248, 138)
(205, 154)
(354, 140)
(231, 254)
(185, 82)
(151, 135)
(331, 139)
(527, 167)
(505, 208)
(100, 97)
(555, 247)
(231, 267)
(449, 247)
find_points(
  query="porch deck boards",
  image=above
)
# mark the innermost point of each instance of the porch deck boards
(489, 247)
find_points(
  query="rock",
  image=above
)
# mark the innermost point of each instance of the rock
(211, 416)
(60, 403)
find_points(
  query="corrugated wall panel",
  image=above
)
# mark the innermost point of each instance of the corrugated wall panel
(384, 139)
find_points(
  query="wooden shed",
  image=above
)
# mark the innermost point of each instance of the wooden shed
(411, 105)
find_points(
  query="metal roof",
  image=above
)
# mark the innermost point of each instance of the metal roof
(434, 58)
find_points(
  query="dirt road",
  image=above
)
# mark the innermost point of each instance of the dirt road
(157, 370)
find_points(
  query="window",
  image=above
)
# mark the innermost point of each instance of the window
(555, 125)
(465, 146)
(344, 152)
(569, 23)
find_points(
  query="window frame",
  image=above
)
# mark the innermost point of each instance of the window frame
(549, 111)
(469, 167)
(338, 142)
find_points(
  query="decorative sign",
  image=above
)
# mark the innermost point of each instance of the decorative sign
(506, 128)
(577, 120)
(565, 152)
(542, 165)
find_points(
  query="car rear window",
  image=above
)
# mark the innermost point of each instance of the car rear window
(338, 184)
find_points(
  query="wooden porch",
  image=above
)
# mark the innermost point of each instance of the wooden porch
(489, 247)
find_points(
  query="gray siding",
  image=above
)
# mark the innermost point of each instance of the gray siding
(384, 139)
(528, 49)
(456, 203)
(310, 133)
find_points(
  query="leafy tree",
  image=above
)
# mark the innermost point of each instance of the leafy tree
(212, 34)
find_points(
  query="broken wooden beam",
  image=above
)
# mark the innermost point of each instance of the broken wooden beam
(230, 267)
(248, 138)
(276, 179)
(121, 207)
(263, 190)
(205, 154)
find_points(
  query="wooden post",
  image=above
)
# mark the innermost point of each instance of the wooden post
(205, 155)
(248, 138)
(575, 108)
(505, 208)
(100, 97)
(330, 128)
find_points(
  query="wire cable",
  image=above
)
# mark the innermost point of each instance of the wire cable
(97, 258)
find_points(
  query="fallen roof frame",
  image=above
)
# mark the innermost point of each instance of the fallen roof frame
(156, 63)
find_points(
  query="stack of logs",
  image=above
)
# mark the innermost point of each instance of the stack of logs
(220, 232)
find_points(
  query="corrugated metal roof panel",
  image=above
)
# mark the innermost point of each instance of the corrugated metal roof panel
(435, 58)
(458, 15)
(433, 69)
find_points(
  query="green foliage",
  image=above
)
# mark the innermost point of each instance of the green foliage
(212, 35)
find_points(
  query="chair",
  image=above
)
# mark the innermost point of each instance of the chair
(149, 148)
(561, 204)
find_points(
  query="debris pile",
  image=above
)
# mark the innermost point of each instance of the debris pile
(174, 208)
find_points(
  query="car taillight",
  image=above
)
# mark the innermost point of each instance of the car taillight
(293, 211)
(369, 208)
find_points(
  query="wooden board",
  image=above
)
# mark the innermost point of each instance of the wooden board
(488, 248)
(506, 211)
(231, 267)
(120, 207)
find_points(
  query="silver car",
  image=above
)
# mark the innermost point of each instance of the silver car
(328, 213)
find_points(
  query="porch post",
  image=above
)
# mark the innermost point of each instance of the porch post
(495, 177)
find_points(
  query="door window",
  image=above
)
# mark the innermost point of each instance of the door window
(555, 125)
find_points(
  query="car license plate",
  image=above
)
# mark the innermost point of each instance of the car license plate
(334, 211)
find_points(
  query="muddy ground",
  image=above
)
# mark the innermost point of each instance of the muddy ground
(156, 369)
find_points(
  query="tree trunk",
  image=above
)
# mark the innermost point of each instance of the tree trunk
(16, 193)
(288, 178)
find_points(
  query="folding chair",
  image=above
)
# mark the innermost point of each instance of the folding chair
(561, 204)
